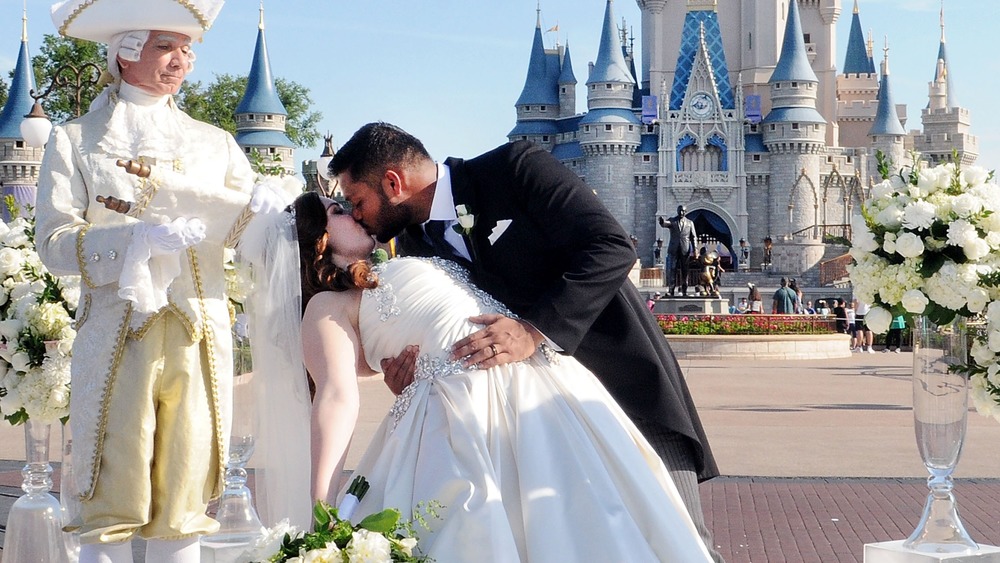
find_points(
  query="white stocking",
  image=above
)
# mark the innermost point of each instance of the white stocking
(187, 550)
(106, 552)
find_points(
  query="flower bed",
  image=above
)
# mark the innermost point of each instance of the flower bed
(745, 324)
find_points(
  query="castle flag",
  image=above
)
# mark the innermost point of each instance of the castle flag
(752, 105)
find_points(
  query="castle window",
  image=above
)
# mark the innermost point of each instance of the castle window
(795, 126)
(541, 108)
(750, 41)
(773, 128)
(607, 127)
(829, 159)
(271, 150)
(777, 85)
(816, 127)
(608, 86)
(806, 37)
(756, 158)
(631, 128)
(268, 117)
(545, 138)
(19, 144)
(795, 84)
(646, 158)
(849, 160)
(649, 128)
(753, 127)
(527, 109)
(563, 89)
(593, 86)
(524, 137)
(586, 128)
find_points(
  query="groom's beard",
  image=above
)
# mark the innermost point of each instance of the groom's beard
(392, 219)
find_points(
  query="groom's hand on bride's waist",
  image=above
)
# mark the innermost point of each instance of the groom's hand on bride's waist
(502, 340)
(398, 372)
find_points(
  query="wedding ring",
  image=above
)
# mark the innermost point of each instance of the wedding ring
(493, 348)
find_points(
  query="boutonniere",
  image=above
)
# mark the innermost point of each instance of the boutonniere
(466, 220)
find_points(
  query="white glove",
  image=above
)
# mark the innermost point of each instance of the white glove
(172, 237)
(266, 199)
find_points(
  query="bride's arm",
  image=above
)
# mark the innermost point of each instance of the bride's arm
(331, 348)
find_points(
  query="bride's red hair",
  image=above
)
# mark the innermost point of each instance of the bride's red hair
(318, 272)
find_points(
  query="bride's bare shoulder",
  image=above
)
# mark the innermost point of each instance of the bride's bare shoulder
(332, 304)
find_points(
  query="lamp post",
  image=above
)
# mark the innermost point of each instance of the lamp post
(36, 126)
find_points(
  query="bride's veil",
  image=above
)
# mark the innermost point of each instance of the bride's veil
(282, 456)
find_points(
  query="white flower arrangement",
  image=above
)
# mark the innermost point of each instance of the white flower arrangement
(36, 330)
(928, 243)
(378, 538)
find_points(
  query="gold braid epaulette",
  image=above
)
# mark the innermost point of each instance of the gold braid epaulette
(238, 227)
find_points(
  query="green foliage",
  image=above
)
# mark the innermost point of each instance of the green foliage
(260, 166)
(884, 164)
(330, 527)
(216, 104)
(62, 103)
(3, 91)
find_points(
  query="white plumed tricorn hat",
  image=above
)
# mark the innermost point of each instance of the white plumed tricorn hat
(100, 20)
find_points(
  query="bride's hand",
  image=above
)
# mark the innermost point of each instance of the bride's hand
(502, 340)
(398, 372)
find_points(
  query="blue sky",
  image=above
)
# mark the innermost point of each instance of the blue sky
(449, 71)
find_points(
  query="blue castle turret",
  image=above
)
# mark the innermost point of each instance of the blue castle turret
(260, 115)
(857, 60)
(18, 162)
(794, 132)
(887, 132)
(539, 104)
(610, 132)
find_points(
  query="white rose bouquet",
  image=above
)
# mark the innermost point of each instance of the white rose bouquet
(928, 243)
(378, 538)
(36, 330)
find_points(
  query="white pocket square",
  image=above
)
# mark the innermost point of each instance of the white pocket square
(498, 230)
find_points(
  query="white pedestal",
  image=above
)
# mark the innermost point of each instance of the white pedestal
(221, 552)
(893, 552)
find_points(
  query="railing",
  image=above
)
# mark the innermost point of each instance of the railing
(746, 324)
(842, 232)
(651, 277)
(835, 269)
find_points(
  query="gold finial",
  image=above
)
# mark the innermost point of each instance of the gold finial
(885, 57)
(855, 6)
(871, 44)
(260, 25)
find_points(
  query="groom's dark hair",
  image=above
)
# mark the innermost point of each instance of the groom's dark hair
(375, 147)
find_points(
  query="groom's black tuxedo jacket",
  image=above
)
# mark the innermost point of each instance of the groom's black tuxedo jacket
(562, 264)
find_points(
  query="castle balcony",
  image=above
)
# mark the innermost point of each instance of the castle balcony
(702, 178)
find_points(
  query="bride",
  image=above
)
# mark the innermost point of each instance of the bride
(532, 461)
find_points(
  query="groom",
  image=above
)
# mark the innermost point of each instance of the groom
(536, 237)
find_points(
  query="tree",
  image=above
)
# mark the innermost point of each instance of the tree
(217, 102)
(56, 51)
(3, 92)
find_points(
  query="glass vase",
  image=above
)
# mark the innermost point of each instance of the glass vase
(34, 525)
(940, 413)
(239, 523)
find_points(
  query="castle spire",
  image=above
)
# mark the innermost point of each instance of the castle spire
(942, 72)
(537, 87)
(858, 59)
(260, 115)
(19, 100)
(886, 119)
(610, 65)
(793, 65)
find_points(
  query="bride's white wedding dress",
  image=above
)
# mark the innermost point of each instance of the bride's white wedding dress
(533, 461)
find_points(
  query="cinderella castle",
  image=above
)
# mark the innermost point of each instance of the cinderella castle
(260, 122)
(743, 117)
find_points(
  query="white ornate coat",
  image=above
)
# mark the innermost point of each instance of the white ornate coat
(77, 235)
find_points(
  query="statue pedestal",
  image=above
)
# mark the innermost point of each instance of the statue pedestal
(691, 306)
(893, 552)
